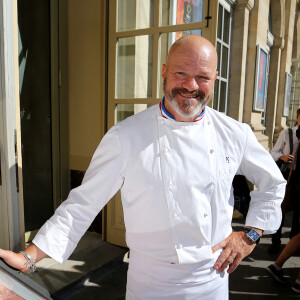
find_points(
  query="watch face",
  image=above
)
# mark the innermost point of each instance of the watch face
(253, 235)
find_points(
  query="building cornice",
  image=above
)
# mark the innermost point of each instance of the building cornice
(249, 4)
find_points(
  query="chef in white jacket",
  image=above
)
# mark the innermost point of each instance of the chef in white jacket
(174, 164)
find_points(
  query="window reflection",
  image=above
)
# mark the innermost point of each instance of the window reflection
(181, 12)
(134, 67)
(135, 14)
(124, 111)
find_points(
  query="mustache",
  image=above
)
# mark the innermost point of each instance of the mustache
(193, 94)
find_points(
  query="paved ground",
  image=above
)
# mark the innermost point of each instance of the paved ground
(249, 281)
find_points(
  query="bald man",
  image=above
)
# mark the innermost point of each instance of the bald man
(174, 164)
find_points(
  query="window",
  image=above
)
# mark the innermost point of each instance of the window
(223, 50)
(270, 40)
(295, 92)
(140, 35)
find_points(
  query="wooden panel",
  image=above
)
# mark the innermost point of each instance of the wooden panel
(115, 222)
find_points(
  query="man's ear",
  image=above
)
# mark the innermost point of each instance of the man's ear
(163, 70)
(216, 75)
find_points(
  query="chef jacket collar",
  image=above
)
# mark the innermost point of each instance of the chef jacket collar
(167, 115)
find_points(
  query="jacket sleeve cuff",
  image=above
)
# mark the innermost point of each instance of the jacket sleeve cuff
(54, 243)
(266, 217)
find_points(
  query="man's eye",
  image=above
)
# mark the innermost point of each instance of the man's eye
(202, 78)
(180, 73)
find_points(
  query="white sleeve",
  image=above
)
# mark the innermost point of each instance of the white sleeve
(278, 149)
(60, 234)
(259, 167)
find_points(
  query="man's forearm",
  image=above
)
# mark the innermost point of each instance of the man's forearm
(35, 253)
(19, 261)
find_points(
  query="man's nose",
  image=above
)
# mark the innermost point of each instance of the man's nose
(190, 83)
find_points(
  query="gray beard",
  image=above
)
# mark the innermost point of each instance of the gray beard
(198, 109)
(171, 99)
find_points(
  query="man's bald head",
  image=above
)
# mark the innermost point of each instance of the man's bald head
(194, 43)
(189, 75)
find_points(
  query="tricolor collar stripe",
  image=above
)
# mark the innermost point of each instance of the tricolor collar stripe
(164, 111)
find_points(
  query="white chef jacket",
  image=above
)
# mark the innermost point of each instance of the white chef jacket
(176, 187)
(282, 145)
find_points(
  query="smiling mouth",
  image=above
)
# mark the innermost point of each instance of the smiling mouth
(193, 95)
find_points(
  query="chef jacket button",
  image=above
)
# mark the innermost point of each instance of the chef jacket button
(179, 246)
(175, 216)
(205, 215)
(170, 183)
(166, 151)
(211, 151)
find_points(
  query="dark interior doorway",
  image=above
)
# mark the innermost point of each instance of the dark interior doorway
(35, 106)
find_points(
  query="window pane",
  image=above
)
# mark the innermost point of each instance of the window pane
(224, 61)
(226, 27)
(124, 111)
(220, 16)
(135, 14)
(216, 95)
(166, 41)
(219, 57)
(181, 12)
(223, 95)
(134, 67)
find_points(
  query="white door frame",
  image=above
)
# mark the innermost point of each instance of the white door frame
(11, 198)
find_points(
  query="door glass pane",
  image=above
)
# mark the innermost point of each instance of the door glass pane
(124, 111)
(166, 41)
(224, 61)
(220, 16)
(135, 14)
(181, 11)
(134, 67)
(219, 56)
(223, 95)
(226, 27)
(216, 95)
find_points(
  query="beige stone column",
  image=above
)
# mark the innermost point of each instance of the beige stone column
(274, 71)
(238, 58)
(258, 29)
(285, 65)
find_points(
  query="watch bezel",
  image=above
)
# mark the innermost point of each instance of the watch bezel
(252, 235)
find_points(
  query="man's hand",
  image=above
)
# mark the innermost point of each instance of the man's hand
(236, 247)
(18, 261)
(287, 158)
(15, 260)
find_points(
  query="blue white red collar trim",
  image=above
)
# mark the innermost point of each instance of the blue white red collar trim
(167, 115)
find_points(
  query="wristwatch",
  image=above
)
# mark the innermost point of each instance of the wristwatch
(252, 235)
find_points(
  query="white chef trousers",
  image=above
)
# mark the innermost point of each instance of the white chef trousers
(149, 279)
